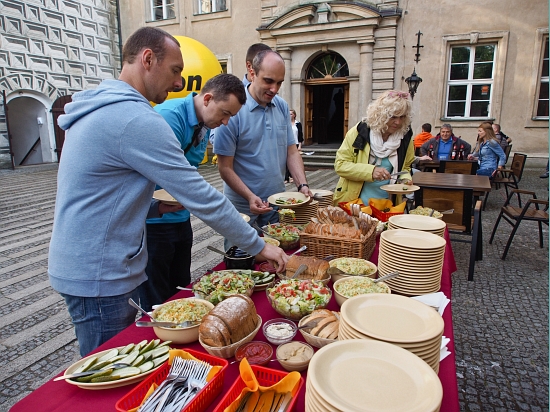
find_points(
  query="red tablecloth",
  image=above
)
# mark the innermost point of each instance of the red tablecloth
(61, 396)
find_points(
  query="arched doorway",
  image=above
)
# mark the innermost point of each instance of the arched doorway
(29, 130)
(326, 99)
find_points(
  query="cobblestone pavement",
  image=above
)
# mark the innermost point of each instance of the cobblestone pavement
(500, 319)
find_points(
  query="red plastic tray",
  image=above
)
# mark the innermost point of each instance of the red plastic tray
(204, 398)
(266, 377)
(383, 216)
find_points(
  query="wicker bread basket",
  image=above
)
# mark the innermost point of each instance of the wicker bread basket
(229, 350)
(321, 245)
(312, 339)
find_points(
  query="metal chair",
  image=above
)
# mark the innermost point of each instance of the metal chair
(509, 178)
(463, 167)
(465, 220)
(515, 215)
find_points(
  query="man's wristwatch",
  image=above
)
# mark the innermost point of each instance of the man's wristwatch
(302, 185)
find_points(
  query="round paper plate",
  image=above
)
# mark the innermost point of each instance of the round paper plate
(392, 318)
(286, 196)
(348, 373)
(413, 239)
(105, 385)
(165, 197)
(245, 217)
(418, 222)
(400, 188)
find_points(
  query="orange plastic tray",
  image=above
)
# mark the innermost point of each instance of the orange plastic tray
(201, 401)
(266, 377)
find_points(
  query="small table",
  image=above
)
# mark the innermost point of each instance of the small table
(479, 184)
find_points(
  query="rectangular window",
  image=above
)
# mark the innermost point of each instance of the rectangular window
(470, 81)
(542, 106)
(211, 6)
(162, 10)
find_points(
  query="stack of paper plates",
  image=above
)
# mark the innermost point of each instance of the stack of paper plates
(324, 197)
(363, 375)
(417, 222)
(417, 256)
(395, 319)
(302, 214)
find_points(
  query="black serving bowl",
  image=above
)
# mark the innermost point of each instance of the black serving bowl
(238, 259)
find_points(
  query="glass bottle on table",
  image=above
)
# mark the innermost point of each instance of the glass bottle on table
(453, 153)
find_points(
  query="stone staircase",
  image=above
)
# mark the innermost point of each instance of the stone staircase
(320, 158)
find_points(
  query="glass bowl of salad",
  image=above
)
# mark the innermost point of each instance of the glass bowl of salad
(216, 286)
(295, 298)
(287, 235)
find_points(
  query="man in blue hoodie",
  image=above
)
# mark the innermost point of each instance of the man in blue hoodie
(170, 238)
(116, 148)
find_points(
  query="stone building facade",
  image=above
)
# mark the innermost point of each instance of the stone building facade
(50, 49)
(478, 60)
(375, 40)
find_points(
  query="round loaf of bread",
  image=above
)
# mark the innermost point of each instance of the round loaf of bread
(231, 320)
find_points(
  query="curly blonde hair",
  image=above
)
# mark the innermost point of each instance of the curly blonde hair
(389, 104)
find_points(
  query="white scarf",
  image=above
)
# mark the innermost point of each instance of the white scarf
(385, 149)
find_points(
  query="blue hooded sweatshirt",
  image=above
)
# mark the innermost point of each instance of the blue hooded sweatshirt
(116, 148)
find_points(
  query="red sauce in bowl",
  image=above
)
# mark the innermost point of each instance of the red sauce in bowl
(256, 352)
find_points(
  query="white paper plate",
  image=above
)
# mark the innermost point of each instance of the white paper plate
(286, 195)
(392, 318)
(366, 375)
(165, 197)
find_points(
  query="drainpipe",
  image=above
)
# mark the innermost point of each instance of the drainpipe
(119, 33)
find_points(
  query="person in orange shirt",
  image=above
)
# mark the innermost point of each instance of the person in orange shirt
(423, 137)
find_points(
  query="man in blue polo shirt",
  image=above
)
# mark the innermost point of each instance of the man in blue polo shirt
(256, 145)
(170, 237)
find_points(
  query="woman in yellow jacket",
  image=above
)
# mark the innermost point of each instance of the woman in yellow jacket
(379, 145)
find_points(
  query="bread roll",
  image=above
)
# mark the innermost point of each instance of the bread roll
(316, 268)
(230, 321)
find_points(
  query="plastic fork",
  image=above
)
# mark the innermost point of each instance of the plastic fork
(182, 377)
(195, 383)
(175, 370)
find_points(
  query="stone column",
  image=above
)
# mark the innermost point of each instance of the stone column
(285, 91)
(365, 75)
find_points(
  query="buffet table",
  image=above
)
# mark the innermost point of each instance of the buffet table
(61, 396)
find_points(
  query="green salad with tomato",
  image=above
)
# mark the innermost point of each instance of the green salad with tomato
(296, 298)
(283, 232)
(216, 286)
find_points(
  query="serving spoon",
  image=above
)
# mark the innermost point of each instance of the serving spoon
(386, 277)
(135, 305)
(213, 249)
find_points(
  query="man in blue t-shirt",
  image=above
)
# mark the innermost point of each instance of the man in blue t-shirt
(170, 237)
(256, 145)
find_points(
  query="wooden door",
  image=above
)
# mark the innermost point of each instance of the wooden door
(58, 108)
(308, 116)
(346, 108)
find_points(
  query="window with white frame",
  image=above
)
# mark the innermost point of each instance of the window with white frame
(542, 106)
(470, 81)
(210, 6)
(162, 10)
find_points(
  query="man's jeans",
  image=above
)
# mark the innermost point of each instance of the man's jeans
(98, 319)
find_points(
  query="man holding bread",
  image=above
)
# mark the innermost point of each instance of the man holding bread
(116, 148)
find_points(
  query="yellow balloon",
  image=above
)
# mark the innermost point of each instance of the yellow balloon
(199, 65)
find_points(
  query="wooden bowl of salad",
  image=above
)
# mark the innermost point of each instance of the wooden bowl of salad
(349, 287)
(181, 310)
(294, 298)
(287, 235)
